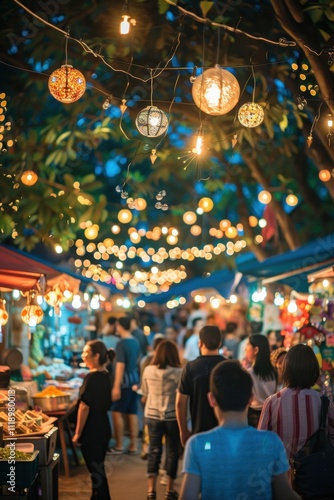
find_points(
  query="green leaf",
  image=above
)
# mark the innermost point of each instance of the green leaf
(63, 136)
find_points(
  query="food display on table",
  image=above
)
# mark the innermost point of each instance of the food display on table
(51, 399)
(29, 422)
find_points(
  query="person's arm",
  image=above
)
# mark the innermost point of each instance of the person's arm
(119, 372)
(191, 487)
(264, 420)
(181, 406)
(282, 489)
(82, 416)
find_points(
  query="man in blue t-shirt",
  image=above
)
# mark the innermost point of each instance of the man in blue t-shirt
(234, 460)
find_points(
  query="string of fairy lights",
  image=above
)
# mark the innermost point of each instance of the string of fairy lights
(215, 92)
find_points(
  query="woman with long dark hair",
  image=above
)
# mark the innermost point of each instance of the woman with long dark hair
(92, 430)
(263, 374)
(159, 384)
(294, 412)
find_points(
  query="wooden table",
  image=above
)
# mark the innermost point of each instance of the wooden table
(64, 427)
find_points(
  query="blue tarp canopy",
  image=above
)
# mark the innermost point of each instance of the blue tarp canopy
(223, 281)
(291, 268)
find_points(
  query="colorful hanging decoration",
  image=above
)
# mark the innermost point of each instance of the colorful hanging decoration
(3, 313)
(67, 84)
(251, 115)
(32, 314)
(216, 91)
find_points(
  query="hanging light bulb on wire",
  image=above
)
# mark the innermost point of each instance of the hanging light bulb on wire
(124, 27)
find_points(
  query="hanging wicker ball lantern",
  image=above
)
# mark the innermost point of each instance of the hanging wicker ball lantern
(152, 122)
(3, 313)
(67, 84)
(251, 115)
(32, 314)
(216, 91)
(53, 297)
(29, 177)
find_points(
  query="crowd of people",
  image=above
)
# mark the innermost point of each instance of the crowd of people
(205, 394)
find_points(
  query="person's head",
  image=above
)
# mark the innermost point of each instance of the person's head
(257, 352)
(275, 339)
(230, 386)
(277, 358)
(95, 354)
(171, 333)
(123, 324)
(300, 367)
(166, 354)
(158, 337)
(197, 324)
(210, 336)
(231, 327)
(110, 326)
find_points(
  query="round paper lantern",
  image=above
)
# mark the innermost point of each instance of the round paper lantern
(206, 204)
(29, 177)
(3, 313)
(124, 216)
(32, 315)
(251, 115)
(216, 91)
(67, 84)
(152, 122)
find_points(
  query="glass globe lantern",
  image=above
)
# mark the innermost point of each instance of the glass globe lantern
(152, 122)
(216, 91)
(67, 84)
(251, 115)
(29, 177)
(3, 313)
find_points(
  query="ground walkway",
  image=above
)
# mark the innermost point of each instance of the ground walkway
(126, 477)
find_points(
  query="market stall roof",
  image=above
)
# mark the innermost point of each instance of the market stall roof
(223, 281)
(19, 270)
(293, 267)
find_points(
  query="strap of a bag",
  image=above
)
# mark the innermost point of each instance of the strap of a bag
(323, 421)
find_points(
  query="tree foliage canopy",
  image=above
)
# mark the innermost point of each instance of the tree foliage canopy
(90, 161)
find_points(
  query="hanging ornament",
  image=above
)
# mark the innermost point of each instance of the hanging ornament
(67, 84)
(29, 177)
(234, 140)
(3, 313)
(32, 314)
(251, 115)
(152, 122)
(123, 107)
(153, 156)
(107, 102)
(216, 91)
(309, 141)
(53, 297)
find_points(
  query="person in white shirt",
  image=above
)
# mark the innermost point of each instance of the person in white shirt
(191, 349)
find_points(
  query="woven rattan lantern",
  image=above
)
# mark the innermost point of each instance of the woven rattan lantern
(32, 314)
(3, 313)
(67, 84)
(216, 91)
(251, 115)
(152, 122)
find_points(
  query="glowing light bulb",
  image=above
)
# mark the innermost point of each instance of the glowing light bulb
(125, 25)
(76, 302)
(292, 306)
(199, 144)
(330, 121)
